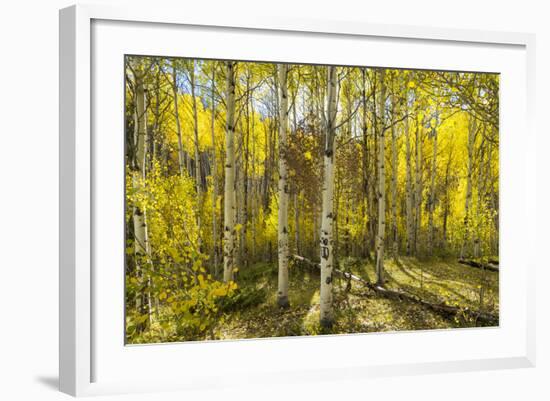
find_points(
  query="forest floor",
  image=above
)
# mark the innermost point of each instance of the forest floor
(254, 313)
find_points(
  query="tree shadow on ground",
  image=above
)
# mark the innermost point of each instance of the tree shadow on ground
(452, 271)
(358, 309)
(270, 320)
(426, 292)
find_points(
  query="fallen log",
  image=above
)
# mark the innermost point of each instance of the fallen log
(441, 307)
(478, 265)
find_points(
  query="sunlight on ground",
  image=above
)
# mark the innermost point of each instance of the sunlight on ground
(361, 310)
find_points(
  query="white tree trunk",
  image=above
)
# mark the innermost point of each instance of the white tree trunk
(327, 214)
(418, 186)
(468, 201)
(197, 152)
(254, 184)
(229, 233)
(181, 158)
(282, 233)
(141, 243)
(395, 169)
(447, 201)
(214, 177)
(365, 167)
(380, 238)
(481, 192)
(432, 195)
(139, 172)
(408, 189)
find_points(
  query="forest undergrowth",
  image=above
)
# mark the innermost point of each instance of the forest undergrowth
(252, 311)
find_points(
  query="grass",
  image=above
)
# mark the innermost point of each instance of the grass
(358, 310)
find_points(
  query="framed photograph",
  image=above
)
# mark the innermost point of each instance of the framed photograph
(277, 200)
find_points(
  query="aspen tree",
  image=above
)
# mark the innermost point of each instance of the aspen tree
(181, 156)
(198, 180)
(254, 182)
(395, 169)
(373, 193)
(380, 238)
(141, 242)
(432, 188)
(282, 231)
(447, 203)
(365, 162)
(419, 183)
(468, 200)
(229, 190)
(244, 184)
(327, 213)
(480, 199)
(408, 186)
(296, 195)
(214, 173)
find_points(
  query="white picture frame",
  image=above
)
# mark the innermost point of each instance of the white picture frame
(79, 316)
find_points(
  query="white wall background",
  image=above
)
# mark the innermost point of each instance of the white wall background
(29, 200)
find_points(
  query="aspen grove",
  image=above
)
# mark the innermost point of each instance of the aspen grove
(267, 199)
